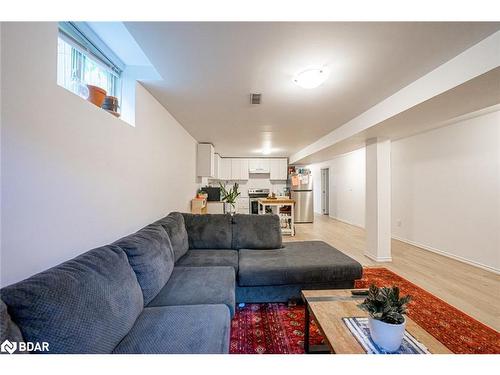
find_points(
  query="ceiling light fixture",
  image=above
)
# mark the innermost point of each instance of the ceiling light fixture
(267, 150)
(311, 78)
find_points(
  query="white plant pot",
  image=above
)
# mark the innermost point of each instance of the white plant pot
(387, 336)
(229, 209)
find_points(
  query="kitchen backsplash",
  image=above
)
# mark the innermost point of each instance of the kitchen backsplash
(257, 181)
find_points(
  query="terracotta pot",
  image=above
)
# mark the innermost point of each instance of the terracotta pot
(96, 95)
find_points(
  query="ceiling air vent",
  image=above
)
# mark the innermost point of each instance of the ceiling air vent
(255, 98)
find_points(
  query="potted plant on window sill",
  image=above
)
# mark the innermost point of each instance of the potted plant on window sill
(229, 197)
(386, 321)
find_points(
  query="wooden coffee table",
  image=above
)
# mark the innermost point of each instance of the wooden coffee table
(328, 307)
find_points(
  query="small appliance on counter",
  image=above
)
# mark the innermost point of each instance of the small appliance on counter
(213, 193)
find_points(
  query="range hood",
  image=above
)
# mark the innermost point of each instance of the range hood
(259, 170)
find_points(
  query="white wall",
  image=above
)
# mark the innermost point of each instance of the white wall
(347, 187)
(446, 190)
(73, 176)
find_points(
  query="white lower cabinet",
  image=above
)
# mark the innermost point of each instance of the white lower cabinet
(242, 205)
(215, 207)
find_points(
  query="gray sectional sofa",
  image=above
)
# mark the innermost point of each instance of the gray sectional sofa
(171, 287)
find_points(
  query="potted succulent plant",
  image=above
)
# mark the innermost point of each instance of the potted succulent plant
(229, 197)
(386, 321)
(202, 194)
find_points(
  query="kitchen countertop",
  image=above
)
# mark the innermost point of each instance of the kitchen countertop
(278, 200)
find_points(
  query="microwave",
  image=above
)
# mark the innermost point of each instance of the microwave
(213, 193)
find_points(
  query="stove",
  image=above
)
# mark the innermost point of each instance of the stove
(253, 197)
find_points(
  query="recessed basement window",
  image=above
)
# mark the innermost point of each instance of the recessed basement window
(84, 69)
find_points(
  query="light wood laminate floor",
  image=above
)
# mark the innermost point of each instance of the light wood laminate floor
(472, 290)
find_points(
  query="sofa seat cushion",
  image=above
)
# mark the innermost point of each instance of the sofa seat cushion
(198, 286)
(176, 230)
(297, 263)
(212, 231)
(150, 254)
(209, 258)
(85, 305)
(196, 329)
(256, 232)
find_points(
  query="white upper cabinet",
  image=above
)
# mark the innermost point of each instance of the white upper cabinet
(205, 160)
(259, 165)
(239, 169)
(217, 166)
(278, 169)
(244, 169)
(225, 169)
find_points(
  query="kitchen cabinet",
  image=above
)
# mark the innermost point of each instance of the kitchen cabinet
(278, 169)
(242, 205)
(259, 165)
(215, 207)
(244, 169)
(239, 169)
(205, 160)
(217, 166)
(225, 169)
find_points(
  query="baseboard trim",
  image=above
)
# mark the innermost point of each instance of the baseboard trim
(345, 222)
(449, 255)
(378, 259)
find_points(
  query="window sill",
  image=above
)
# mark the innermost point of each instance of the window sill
(123, 119)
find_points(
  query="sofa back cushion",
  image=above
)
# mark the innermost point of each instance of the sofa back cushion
(256, 232)
(176, 230)
(209, 231)
(150, 254)
(85, 305)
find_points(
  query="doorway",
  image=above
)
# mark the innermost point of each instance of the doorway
(325, 191)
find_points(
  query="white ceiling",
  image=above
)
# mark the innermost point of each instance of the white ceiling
(478, 95)
(209, 70)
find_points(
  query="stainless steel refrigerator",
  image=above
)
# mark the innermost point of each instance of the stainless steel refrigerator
(302, 192)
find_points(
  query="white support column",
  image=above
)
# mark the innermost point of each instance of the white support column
(378, 200)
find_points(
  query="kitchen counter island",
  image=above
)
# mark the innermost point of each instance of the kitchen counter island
(286, 216)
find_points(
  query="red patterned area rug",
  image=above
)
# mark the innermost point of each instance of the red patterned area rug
(274, 328)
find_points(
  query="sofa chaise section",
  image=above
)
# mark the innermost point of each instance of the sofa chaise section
(279, 274)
